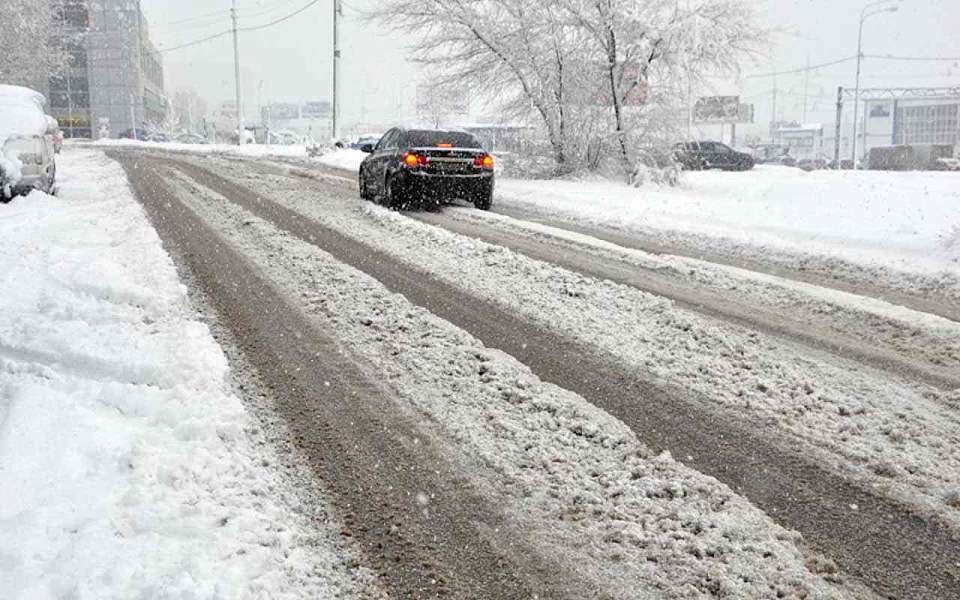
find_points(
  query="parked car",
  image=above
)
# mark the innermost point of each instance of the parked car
(695, 156)
(35, 155)
(427, 166)
(27, 143)
(56, 136)
(812, 164)
(157, 136)
(191, 138)
(138, 134)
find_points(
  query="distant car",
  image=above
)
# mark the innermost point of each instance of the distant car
(784, 160)
(427, 166)
(812, 164)
(695, 156)
(191, 138)
(158, 137)
(139, 134)
(364, 140)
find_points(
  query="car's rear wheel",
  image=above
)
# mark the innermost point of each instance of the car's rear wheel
(393, 193)
(364, 190)
(484, 200)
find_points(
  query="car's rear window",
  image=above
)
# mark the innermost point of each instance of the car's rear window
(435, 139)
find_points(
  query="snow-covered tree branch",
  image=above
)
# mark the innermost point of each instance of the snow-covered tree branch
(594, 73)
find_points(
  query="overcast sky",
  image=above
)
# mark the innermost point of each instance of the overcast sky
(292, 61)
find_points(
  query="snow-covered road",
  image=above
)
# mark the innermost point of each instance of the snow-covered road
(351, 402)
(875, 437)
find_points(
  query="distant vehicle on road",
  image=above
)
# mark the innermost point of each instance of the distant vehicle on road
(696, 156)
(427, 166)
(191, 138)
(812, 164)
(362, 140)
(157, 136)
(138, 134)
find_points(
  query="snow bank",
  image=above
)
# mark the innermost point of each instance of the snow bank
(125, 469)
(909, 220)
(248, 150)
(347, 159)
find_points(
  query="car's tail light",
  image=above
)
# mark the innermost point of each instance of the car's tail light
(484, 162)
(413, 160)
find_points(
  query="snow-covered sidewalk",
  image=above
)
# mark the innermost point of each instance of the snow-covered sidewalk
(128, 469)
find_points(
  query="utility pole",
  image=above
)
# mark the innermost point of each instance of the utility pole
(864, 15)
(806, 82)
(236, 73)
(133, 118)
(773, 120)
(838, 127)
(336, 68)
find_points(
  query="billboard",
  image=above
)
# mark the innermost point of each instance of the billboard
(316, 109)
(717, 109)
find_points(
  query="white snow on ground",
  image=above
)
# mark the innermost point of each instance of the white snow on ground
(347, 159)
(578, 480)
(909, 221)
(247, 150)
(344, 159)
(895, 436)
(126, 470)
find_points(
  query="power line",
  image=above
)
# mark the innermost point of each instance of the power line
(916, 58)
(204, 17)
(229, 31)
(263, 10)
(802, 69)
(196, 42)
(281, 19)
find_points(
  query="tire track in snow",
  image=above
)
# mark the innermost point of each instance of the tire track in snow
(370, 456)
(897, 552)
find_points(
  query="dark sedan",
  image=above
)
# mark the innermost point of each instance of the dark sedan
(695, 156)
(427, 167)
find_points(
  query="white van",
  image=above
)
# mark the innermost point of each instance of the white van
(28, 140)
(35, 156)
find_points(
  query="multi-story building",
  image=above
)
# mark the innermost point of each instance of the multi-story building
(115, 78)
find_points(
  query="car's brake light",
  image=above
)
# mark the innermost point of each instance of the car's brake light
(413, 160)
(484, 162)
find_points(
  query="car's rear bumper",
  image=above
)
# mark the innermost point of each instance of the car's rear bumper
(424, 185)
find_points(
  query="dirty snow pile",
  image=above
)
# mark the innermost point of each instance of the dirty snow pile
(127, 468)
(909, 221)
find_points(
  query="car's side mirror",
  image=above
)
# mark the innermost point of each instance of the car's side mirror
(367, 148)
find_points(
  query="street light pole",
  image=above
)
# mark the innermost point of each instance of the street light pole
(336, 68)
(864, 15)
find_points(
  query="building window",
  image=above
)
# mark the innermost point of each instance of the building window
(72, 14)
(927, 124)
